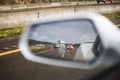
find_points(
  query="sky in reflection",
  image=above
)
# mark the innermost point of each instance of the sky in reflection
(76, 31)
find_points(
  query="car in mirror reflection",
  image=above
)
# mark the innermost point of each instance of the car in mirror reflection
(70, 47)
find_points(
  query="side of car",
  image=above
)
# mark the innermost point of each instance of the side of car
(105, 1)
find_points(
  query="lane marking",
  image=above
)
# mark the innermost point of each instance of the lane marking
(45, 51)
(9, 52)
(6, 48)
(14, 46)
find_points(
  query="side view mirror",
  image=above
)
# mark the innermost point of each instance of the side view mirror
(80, 40)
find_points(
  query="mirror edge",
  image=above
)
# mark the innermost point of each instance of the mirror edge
(28, 54)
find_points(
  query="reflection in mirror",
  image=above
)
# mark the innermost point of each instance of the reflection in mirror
(66, 40)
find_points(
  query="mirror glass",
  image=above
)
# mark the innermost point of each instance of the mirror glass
(65, 40)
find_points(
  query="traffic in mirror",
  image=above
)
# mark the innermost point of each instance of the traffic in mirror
(64, 40)
(82, 40)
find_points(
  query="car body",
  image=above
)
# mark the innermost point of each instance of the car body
(105, 1)
(70, 47)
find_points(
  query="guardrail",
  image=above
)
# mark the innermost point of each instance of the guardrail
(47, 5)
(26, 17)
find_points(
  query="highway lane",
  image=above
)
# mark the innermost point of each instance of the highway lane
(8, 45)
(54, 53)
(16, 67)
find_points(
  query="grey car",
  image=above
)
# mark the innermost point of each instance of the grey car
(105, 1)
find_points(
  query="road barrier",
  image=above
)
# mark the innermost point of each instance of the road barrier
(26, 17)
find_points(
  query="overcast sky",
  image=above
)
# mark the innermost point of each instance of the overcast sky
(68, 31)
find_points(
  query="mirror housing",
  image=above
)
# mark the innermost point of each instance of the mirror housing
(102, 26)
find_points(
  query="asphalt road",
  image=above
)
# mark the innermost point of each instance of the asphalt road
(8, 45)
(16, 67)
(54, 53)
